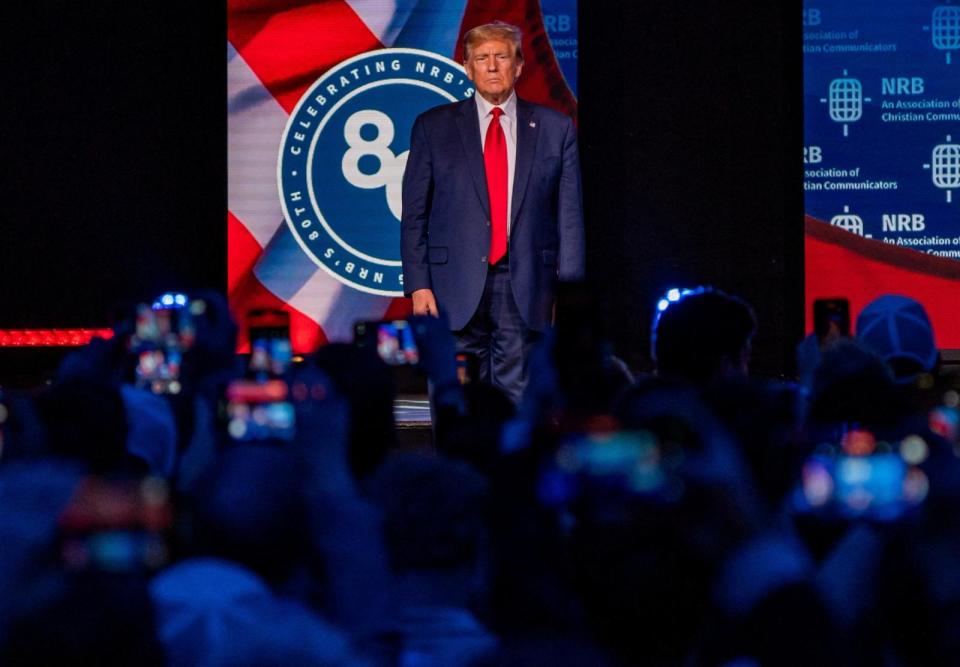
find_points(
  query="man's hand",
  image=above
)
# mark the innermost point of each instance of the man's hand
(424, 302)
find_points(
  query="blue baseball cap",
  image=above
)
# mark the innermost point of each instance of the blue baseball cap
(898, 328)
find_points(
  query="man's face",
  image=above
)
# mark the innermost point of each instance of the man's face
(493, 67)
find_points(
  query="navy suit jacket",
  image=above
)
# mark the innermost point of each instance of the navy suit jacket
(445, 224)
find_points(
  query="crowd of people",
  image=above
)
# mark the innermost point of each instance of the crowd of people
(696, 516)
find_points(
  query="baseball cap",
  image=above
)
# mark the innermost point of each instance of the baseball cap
(899, 330)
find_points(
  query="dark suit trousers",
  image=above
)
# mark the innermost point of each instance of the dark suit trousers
(498, 336)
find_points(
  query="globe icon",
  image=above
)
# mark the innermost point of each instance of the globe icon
(848, 221)
(946, 27)
(946, 166)
(846, 100)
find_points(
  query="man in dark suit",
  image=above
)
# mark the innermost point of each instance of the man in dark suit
(492, 213)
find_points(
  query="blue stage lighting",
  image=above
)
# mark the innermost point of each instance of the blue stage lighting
(170, 300)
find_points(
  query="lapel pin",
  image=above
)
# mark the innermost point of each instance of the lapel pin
(532, 124)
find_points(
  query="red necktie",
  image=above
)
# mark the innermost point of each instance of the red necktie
(495, 162)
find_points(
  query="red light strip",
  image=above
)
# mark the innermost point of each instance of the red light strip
(50, 337)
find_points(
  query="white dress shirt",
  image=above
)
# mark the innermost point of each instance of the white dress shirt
(508, 121)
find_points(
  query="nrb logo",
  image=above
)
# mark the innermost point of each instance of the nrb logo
(845, 101)
(342, 159)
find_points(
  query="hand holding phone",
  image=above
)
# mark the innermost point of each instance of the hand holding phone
(116, 526)
(831, 320)
(259, 410)
(258, 407)
(163, 333)
(864, 478)
(268, 323)
(393, 340)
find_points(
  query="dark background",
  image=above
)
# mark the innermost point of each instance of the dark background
(113, 145)
(113, 141)
(691, 134)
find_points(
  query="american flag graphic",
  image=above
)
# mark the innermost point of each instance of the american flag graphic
(276, 50)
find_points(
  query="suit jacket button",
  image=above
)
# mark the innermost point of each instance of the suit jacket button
(483, 260)
(488, 223)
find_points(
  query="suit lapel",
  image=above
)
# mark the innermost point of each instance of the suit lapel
(527, 133)
(473, 149)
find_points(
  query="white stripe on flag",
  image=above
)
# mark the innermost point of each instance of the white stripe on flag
(255, 126)
(336, 307)
(422, 24)
(383, 19)
(255, 123)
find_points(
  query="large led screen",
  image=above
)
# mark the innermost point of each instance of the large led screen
(882, 154)
(321, 100)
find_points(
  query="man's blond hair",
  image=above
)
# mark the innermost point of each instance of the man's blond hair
(496, 30)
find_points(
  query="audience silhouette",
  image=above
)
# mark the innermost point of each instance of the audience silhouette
(167, 501)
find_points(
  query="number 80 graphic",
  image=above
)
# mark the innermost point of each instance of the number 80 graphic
(389, 172)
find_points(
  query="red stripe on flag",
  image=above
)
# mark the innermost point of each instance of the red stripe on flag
(542, 81)
(289, 49)
(840, 264)
(242, 251)
(245, 18)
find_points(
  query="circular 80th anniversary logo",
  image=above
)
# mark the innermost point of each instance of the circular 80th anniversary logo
(342, 159)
